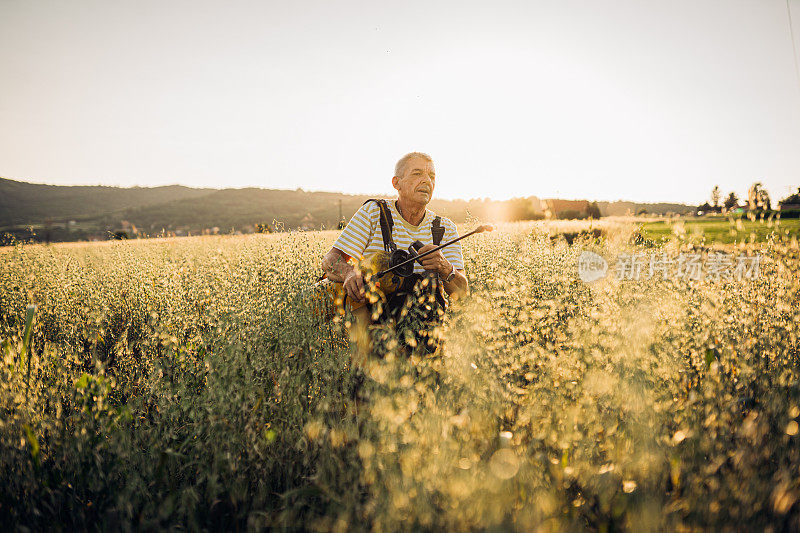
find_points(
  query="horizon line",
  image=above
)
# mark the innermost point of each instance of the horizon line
(18, 180)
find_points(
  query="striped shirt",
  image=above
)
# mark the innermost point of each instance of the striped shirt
(362, 235)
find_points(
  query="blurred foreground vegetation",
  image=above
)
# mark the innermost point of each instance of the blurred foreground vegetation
(186, 384)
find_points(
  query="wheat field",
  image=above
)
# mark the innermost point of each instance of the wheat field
(188, 384)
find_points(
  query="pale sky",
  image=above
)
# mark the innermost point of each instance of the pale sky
(598, 99)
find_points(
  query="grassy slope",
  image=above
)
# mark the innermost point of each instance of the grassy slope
(719, 230)
(26, 203)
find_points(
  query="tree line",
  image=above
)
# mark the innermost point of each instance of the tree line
(758, 199)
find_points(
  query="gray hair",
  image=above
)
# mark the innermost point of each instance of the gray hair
(400, 167)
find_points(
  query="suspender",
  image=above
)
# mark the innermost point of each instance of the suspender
(437, 231)
(387, 223)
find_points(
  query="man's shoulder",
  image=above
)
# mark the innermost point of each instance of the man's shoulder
(369, 208)
(446, 222)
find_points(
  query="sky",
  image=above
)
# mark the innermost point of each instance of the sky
(639, 100)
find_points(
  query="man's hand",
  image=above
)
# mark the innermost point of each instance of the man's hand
(435, 262)
(354, 285)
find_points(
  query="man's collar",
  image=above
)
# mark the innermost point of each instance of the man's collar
(425, 218)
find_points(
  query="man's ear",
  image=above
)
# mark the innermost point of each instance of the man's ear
(395, 182)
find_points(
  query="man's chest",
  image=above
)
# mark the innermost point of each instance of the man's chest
(402, 236)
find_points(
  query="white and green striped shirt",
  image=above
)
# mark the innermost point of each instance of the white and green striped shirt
(362, 235)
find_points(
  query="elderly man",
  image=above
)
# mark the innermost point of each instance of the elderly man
(409, 220)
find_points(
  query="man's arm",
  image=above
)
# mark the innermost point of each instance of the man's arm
(336, 266)
(339, 270)
(351, 243)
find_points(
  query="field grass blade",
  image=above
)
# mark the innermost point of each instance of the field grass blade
(26, 338)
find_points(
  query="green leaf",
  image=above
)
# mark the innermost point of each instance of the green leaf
(33, 444)
(711, 356)
(82, 382)
(26, 340)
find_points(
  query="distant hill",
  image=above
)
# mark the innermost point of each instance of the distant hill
(25, 203)
(237, 208)
(96, 210)
(621, 208)
(61, 213)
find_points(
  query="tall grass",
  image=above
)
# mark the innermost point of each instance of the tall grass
(188, 384)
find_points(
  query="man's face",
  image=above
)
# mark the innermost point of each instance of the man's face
(417, 182)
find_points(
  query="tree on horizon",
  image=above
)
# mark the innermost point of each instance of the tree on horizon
(758, 197)
(732, 201)
(716, 195)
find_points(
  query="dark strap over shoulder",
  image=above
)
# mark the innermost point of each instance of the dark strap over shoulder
(437, 231)
(386, 224)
